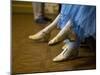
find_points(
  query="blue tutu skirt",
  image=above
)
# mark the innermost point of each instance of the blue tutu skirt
(83, 18)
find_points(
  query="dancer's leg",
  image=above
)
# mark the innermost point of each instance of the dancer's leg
(37, 9)
(62, 34)
(44, 34)
(39, 15)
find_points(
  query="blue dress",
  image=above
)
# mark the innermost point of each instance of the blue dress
(83, 18)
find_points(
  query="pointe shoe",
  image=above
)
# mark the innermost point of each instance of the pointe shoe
(66, 54)
(58, 39)
(63, 34)
(53, 41)
(40, 36)
(44, 35)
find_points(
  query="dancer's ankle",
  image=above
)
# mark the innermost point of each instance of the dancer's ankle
(72, 36)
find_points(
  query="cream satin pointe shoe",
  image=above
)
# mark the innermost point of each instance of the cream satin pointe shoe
(45, 33)
(62, 35)
(40, 36)
(67, 53)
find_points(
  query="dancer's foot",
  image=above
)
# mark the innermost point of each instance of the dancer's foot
(44, 34)
(53, 41)
(68, 52)
(40, 36)
(59, 38)
(63, 34)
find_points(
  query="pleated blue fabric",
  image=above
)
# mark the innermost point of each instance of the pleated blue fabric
(83, 18)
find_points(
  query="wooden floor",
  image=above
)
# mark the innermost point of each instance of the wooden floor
(29, 56)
